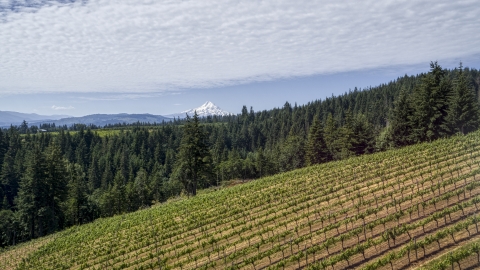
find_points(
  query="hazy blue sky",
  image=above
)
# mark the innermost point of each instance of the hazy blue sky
(161, 57)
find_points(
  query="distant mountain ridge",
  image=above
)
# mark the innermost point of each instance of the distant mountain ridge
(105, 119)
(8, 118)
(15, 118)
(207, 109)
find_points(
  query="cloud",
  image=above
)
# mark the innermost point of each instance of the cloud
(124, 96)
(57, 108)
(150, 46)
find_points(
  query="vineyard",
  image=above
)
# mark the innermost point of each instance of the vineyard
(412, 207)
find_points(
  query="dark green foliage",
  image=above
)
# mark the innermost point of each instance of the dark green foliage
(463, 111)
(9, 177)
(331, 136)
(10, 172)
(430, 104)
(364, 135)
(292, 154)
(3, 146)
(118, 193)
(94, 176)
(107, 176)
(141, 190)
(32, 202)
(401, 121)
(347, 139)
(7, 228)
(316, 149)
(55, 185)
(437, 108)
(76, 206)
(5, 204)
(23, 128)
(192, 167)
(157, 183)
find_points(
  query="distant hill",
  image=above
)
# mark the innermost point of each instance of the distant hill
(15, 118)
(8, 118)
(207, 109)
(105, 119)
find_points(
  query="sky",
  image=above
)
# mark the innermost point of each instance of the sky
(152, 56)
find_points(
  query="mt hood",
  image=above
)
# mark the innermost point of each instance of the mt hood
(207, 109)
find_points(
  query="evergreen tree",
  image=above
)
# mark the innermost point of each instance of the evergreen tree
(364, 135)
(192, 167)
(431, 105)
(248, 166)
(114, 200)
(124, 162)
(76, 206)
(7, 228)
(463, 111)
(141, 188)
(232, 166)
(261, 163)
(400, 120)
(346, 140)
(9, 178)
(94, 179)
(292, 154)
(31, 201)
(56, 186)
(316, 149)
(157, 182)
(81, 153)
(3, 147)
(23, 127)
(170, 157)
(331, 136)
(106, 177)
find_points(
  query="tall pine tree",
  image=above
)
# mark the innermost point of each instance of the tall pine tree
(431, 105)
(56, 186)
(76, 205)
(364, 135)
(331, 136)
(31, 200)
(192, 167)
(316, 149)
(463, 111)
(401, 120)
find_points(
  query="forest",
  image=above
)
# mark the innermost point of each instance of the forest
(50, 181)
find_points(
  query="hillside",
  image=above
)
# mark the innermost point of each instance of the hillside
(8, 118)
(393, 209)
(106, 119)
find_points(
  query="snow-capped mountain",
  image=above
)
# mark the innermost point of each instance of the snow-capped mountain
(207, 109)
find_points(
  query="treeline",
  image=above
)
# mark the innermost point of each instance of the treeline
(442, 104)
(25, 128)
(49, 182)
